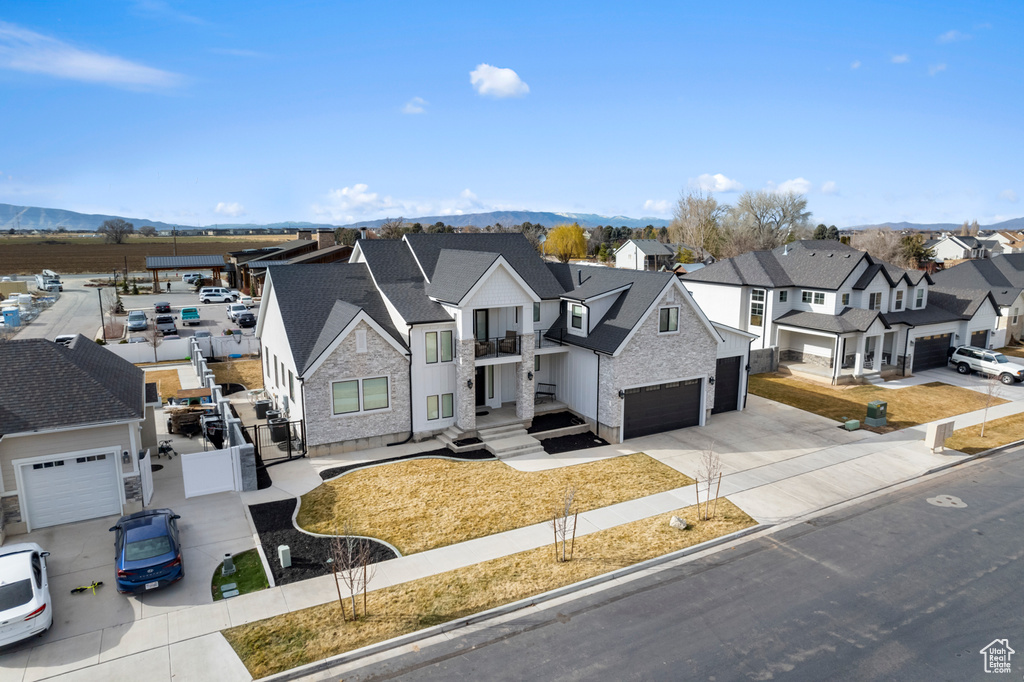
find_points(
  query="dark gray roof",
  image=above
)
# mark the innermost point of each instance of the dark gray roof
(624, 314)
(281, 251)
(849, 320)
(152, 393)
(307, 295)
(586, 284)
(962, 302)
(652, 247)
(399, 279)
(170, 262)
(996, 274)
(57, 386)
(320, 253)
(457, 272)
(514, 247)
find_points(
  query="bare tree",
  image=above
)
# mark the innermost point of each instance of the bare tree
(560, 522)
(993, 392)
(709, 472)
(352, 559)
(115, 230)
(392, 229)
(154, 339)
(770, 218)
(882, 244)
(147, 231)
(696, 222)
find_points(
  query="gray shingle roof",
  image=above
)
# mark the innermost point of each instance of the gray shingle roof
(60, 386)
(154, 262)
(307, 295)
(396, 273)
(962, 302)
(996, 274)
(652, 247)
(280, 253)
(457, 272)
(849, 320)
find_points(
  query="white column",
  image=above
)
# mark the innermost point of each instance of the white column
(858, 363)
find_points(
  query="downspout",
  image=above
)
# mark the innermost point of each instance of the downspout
(597, 411)
(906, 343)
(409, 437)
(838, 361)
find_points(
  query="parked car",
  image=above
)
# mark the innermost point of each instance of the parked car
(25, 605)
(162, 307)
(202, 334)
(248, 301)
(147, 551)
(191, 277)
(236, 309)
(165, 325)
(137, 321)
(137, 339)
(190, 316)
(246, 320)
(218, 295)
(972, 359)
(64, 339)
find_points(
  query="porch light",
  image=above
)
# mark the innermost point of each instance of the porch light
(469, 383)
(529, 375)
(711, 380)
(622, 394)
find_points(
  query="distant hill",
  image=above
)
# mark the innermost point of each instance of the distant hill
(1012, 224)
(34, 218)
(545, 218)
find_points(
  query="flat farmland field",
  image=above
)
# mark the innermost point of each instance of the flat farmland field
(67, 254)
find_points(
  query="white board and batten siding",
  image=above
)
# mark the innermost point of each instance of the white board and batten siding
(720, 303)
(277, 349)
(575, 375)
(435, 378)
(499, 289)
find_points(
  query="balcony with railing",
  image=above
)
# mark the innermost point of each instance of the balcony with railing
(549, 338)
(499, 346)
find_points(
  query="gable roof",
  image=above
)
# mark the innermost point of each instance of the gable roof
(158, 262)
(849, 320)
(1004, 282)
(818, 264)
(307, 297)
(651, 247)
(457, 272)
(962, 302)
(393, 268)
(61, 386)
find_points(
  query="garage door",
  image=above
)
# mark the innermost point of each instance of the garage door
(661, 407)
(980, 339)
(930, 351)
(70, 489)
(727, 385)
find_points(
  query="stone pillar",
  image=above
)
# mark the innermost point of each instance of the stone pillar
(465, 397)
(525, 391)
(858, 363)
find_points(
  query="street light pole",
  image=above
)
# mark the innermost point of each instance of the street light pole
(103, 320)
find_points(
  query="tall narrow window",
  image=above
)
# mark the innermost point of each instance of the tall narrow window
(536, 312)
(490, 381)
(875, 301)
(898, 303)
(277, 381)
(447, 405)
(480, 324)
(291, 385)
(919, 302)
(757, 307)
(536, 363)
(431, 341)
(577, 316)
(846, 299)
(432, 407)
(446, 346)
(360, 340)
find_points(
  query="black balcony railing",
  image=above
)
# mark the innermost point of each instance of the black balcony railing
(510, 344)
(546, 338)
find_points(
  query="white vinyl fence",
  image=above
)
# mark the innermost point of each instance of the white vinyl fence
(181, 349)
(214, 471)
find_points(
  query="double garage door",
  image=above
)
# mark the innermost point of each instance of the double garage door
(70, 489)
(931, 351)
(661, 407)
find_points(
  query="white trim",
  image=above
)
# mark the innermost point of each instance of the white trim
(408, 245)
(703, 400)
(719, 325)
(360, 412)
(361, 316)
(668, 332)
(499, 261)
(61, 429)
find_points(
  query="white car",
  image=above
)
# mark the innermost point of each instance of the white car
(217, 295)
(25, 605)
(236, 309)
(247, 300)
(990, 363)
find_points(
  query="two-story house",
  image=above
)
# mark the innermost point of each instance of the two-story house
(832, 311)
(650, 254)
(416, 336)
(1003, 276)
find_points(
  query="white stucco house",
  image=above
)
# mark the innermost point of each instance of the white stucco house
(414, 337)
(832, 311)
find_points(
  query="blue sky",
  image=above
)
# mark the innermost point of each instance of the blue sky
(192, 112)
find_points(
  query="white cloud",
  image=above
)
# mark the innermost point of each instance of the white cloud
(855, 64)
(233, 209)
(1008, 195)
(796, 186)
(158, 9)
(350, 203)
(953, 36)
(936, 68)
(830, 187)
(30, 52)
(415, 106)
(659, 206)
(497, 82)
(900, 58)
(717, 183)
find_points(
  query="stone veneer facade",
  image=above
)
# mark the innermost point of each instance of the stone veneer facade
(327, 433)
(524, 385)
(650, 357)
(465, 397)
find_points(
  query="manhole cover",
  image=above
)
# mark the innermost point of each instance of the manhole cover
(947, 501)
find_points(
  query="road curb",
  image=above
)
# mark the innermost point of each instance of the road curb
(419, 635)
(971, 458)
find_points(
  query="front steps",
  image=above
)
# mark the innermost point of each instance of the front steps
(510, 440)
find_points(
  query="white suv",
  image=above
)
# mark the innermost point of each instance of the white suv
(236, 309)
(970, 359)
(217, 295)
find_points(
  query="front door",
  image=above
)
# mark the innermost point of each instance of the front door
(480, 324)
(481, 386)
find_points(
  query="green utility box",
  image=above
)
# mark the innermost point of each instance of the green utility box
(876, 413)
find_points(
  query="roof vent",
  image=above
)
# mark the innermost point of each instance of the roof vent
(846, 256)
(785, 250)
(830, 255)
(579, 276)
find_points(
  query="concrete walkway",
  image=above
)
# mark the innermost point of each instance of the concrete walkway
(778, 463)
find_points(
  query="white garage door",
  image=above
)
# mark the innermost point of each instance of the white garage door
(70, 489)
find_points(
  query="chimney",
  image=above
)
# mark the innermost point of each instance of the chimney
(324, 239)
(304, 234)
(362, 233)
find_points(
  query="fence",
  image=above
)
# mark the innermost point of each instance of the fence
(183, 349)
(213, 471)
(764, 360)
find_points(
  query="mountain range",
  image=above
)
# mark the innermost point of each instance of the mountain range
(1012, 224)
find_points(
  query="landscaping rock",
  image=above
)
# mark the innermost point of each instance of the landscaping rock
(677, 522)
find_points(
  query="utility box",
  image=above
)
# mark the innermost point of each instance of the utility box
(938, 432)
(284, 555)
(876, 413)
(228, 568)
(852, 424)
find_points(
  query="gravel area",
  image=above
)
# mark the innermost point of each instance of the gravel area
(273, 521)
(554, 420)
(470, 456)
(578, 441)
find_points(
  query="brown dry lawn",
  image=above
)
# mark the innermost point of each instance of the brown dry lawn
(284, 642)
(417, 505)
(167, 382)
(907, 406)
(997, 432)
(1016, 351)
(247, 372)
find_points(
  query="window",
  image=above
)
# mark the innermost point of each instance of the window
(536, 363)
(432, 411)
(846, 299)
(266, 354)
(897, 304)
(783, 296)
(447, 405)
(757, 308)
(819, 298)
(282, 373)
(919, 302)
(1013, 319)
(447, 350)
(668, 320)
(291, 385)
(536, 312)
(875, 301)
(577, 316)
(815, 297)
(490, 381)
(431, 340)
(355, 395)
(516, 312)
(805, 296)
(277, 382)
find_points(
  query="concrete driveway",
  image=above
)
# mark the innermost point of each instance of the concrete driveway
(108, 636)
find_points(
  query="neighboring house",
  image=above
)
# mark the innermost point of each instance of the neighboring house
(956, 247)
(247, 268)
(414, 336)
(1003, 276)
(1003, 242)
(71, 427)
(648, 254)
(815, 301)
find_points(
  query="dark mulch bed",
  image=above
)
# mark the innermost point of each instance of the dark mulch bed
(462, 442)
(263, 480)
(273, 522)
(471, 455)
(156, 467)
(554, 420)
(578, 441)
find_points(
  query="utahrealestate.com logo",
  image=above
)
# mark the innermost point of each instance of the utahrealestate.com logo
(997, 656)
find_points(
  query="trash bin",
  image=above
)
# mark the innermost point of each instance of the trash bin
(262, 407)
(278, 429)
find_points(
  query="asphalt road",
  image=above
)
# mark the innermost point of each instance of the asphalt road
(893, 589)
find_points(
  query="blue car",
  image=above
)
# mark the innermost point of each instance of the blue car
(147, 551)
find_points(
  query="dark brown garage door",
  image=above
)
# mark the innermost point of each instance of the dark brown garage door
(979, 339)
(727, 385)
(661, 407)
(930, 352)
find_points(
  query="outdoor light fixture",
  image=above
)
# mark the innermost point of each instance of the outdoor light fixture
(469, 383)
(711, 380)
(529, 375)
(622, 394)
(747, 368)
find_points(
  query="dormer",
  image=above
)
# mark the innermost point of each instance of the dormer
(587, 305)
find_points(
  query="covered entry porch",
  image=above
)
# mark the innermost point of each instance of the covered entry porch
(840, 357)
